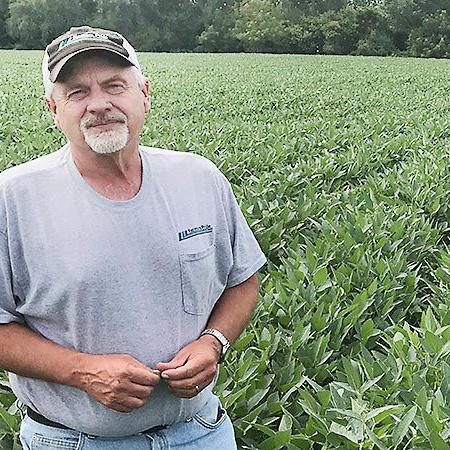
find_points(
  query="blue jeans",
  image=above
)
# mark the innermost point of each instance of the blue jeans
(199, 432)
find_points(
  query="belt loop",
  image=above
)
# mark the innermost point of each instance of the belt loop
(150, 438)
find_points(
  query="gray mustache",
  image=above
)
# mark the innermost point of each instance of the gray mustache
(92, 121)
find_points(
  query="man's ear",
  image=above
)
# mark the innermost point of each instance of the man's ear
(145, 90)
(51, 105)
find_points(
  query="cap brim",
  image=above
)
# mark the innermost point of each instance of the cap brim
(60, 64)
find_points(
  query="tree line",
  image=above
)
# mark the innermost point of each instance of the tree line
(360, 27)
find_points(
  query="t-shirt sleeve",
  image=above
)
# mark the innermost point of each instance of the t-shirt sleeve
(248, 257)
(8, 311)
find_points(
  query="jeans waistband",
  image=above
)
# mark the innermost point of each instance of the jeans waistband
(43, 420)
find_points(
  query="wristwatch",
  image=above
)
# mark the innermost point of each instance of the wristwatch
(221, 338)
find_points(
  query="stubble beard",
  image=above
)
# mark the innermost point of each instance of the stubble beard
(105, 141)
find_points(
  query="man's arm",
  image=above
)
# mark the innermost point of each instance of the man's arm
(27, 354)
(196, 364)
(234, 309)
(119, 382)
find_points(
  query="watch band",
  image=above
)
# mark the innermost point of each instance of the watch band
(221, 338)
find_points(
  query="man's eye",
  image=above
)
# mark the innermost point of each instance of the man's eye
(115, 87)
(76, 94)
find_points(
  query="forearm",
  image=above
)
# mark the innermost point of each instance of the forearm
(25, 353)
(235, 308)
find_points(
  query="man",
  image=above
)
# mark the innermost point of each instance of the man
(125, 271)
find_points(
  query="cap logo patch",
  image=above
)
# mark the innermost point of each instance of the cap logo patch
(91, 36)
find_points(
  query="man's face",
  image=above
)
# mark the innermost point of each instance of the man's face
(100, 106)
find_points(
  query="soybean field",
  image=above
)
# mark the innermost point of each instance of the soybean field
(341, 166)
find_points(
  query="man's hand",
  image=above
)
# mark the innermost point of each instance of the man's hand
(119, 382)
(193, 367)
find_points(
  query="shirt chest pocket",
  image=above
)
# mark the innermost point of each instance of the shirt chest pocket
(197, 280)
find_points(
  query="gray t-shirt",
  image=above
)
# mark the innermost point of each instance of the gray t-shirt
(137, 277)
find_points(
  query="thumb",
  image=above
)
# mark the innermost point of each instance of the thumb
(178, 360)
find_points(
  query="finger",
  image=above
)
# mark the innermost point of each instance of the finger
(192, 368)
(178, 360)
(202, 379)
(139, 391)
(146, 377)
(185, 393)
(189, 392)
(131, 403)
(125, 405)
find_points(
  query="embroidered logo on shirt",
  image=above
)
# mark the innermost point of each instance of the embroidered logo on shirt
(191, 232)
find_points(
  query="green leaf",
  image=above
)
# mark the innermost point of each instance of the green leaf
(336, 428)
(422, 398)
(264, 429)
(437, 442)
(368, 384)
(277, 441)
(367, 330)
(434, 343)
(266, 337)
(352, 372)
(383, 412)
(231, 399)
(253, 401)
(431, 422)
(286, 423)
(376, 440)
(320, 276)
(347, 413)
(243, 342)
(324, 397)
(428, 321)
(401, 429)
(10, 420)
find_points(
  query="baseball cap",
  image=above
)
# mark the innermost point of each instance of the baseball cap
(81, 39)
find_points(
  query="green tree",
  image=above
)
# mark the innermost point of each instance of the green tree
(341, 32)
(25, 22)
(375, 36)
(119, 15)
(351, 31)
(306, 35)
(4, 36)
(376, 43)
(219, 18)
(261, 26)
(177, 22)
(34, 23)
(295, 9)
(408, 15)
(432, 38)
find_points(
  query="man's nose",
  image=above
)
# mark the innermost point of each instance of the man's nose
(99, 101)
